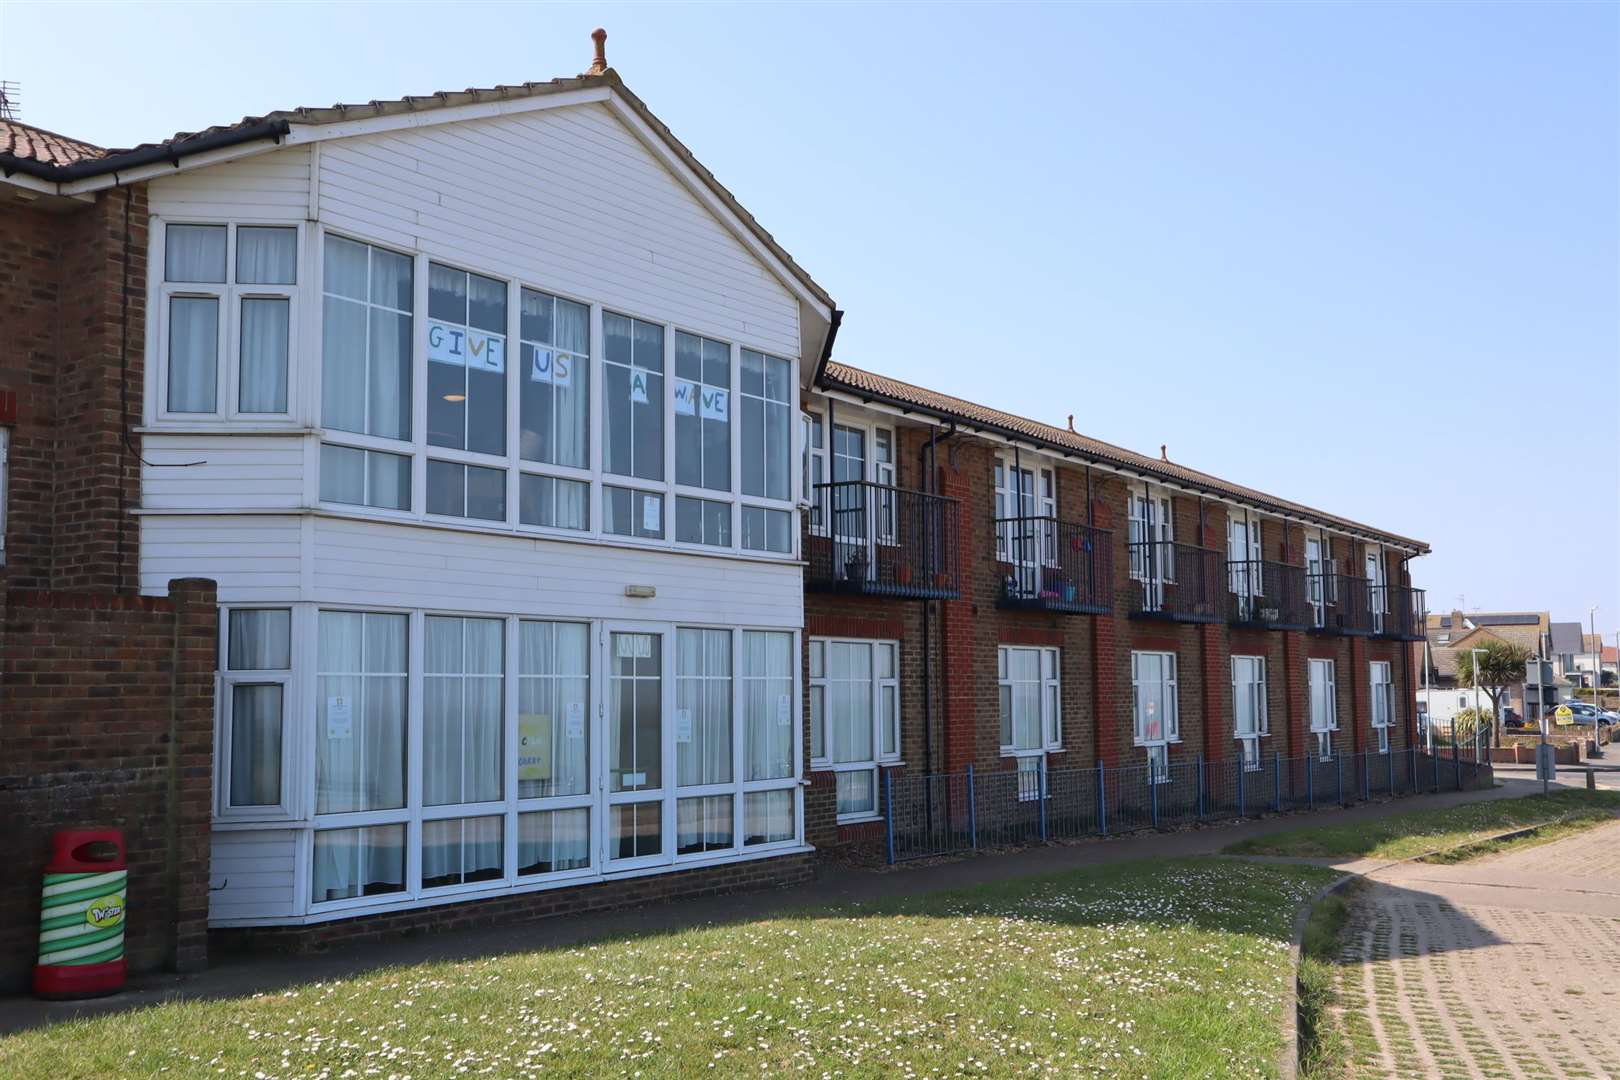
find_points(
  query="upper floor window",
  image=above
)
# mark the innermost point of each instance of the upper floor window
(366, 340)
(767, 434)
(228, 295)
(633, 405)
(1152, 531)
(702, 413)
(554, 411)
(466, 351)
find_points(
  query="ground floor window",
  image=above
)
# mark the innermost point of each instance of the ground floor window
(1031, 718)
(854, 717)
(1383, 702)
(1324, 707)
(457, 753)
(1250, 721)
(1155, 708)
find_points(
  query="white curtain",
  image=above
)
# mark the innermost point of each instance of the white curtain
(767, 671)
(849, 702)
(767, 817)
(366, 351)
(703, 707)
(553, 840)
(554, 681)
(360, 764)
(358, 862)
(260, 640)
(193, 353)
(462, 711)
(464, 849)
(265, 327)
(256, 744)
(194, 253)
(266, 255)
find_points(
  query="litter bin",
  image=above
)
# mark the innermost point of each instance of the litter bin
(81, 917)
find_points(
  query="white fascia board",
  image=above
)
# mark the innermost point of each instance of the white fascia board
(40, 187)
(153, 169)
(713, 203)
(919, 416)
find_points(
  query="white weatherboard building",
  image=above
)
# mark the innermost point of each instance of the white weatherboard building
(481, 410)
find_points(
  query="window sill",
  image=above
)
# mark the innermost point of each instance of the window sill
(859, 819)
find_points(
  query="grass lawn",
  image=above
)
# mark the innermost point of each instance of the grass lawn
(1164, 968)
(1406, 835)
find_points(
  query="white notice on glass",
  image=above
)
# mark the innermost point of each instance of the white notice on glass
(575, 721)
(686, 394)
(716, 404)
(652, 513)
(638, 388)
(683, 725)
(556, 368)
(339, 718)
(784, 710)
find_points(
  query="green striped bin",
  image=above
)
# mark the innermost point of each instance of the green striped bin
(81, 917)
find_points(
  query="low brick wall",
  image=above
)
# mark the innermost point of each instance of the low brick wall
(108, 722)
(524, 907)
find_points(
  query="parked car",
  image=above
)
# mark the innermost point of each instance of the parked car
(1588, 715)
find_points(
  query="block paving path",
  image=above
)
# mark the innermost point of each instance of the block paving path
(1506, 966)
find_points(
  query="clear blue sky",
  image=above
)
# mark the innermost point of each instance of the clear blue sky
(1362, 256)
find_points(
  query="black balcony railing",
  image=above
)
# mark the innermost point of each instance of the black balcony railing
(1266, 594)
(1054, 565)
(1340, 603)
(883, 541)
(1397, 611)
(1176, 581)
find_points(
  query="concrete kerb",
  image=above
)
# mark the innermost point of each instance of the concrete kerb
(1288, 1066)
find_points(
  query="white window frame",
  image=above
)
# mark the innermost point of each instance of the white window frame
(1151, 519)
(1246, 581)
(228, 680)
(879, 685)
(1249, 741)
(228, 349)
(1049, 664)
(1323, 727)
(418, 451)
(1039, 546)
(1158, 751)
(881, 524)
(1382, 699)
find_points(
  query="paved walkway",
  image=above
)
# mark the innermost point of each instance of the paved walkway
(1506, 966)
(233, 976)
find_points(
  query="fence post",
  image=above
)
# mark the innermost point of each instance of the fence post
(1201, 785)
(1338, 778)
(888, 810)
(1041, 785)
(1310, 782)
(1456, 762)
(1276, 785)
(1240, 772)
(1102, 797)
(1153, 792)
(973, 810)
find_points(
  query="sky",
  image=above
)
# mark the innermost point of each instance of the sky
(1365, 257)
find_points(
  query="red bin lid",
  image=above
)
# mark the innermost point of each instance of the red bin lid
(78, 851)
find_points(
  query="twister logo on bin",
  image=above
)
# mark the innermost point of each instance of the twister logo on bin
(105, 912)
(450, 344)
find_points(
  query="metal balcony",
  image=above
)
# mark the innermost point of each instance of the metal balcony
(878, 540)
(1266, 595)
(1397, 612)
(1173, 581)
(1340, 604)
(1052, 565)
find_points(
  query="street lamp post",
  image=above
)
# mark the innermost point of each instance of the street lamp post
(1597, 676)
(1479, 715)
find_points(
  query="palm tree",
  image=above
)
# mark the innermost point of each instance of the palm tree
(1501, 665)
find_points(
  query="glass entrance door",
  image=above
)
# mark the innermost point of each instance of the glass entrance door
(637, 829)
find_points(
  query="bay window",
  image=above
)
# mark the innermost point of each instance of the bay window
(1324, 707)
(627, 512)
(1383, 703)
(854, 717)
(704, 820)
(466, 491)
(369, 294)
(553, 502)
(365, 477)
(553, 747)
(462, 708)
(227, 301)
(254, 701)
(1156, 708)
(766, 530)
(702, 399)
(767, 396)
(1251, 722)
(633, 406)
(554, 403)
(466, 352)
(702, 521)
(360, 712)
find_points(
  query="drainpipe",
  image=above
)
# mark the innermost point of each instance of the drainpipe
(928, 461)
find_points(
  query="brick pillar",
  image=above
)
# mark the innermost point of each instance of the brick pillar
(1294, 690)
(191, 767)
(1215, 661)
(958, 672)
(1360, 704)
(1105, 678)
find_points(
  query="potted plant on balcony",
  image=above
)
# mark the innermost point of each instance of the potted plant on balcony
(855, 565)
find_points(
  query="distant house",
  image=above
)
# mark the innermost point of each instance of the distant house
(1567, 645)
(1449, 636)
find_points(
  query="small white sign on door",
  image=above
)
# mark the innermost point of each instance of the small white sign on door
(575, 720)
(339, 717)
(784, 710)
(652, 513)
(683, 725)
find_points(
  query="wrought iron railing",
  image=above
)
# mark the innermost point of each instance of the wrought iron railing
(1176, 581)
(1054, 565)
(1268, 594)
(1396, 611)
(1339, 603)
(882, 540)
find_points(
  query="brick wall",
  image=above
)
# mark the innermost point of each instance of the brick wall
(109, 723)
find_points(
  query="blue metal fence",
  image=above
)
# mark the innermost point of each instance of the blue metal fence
(954, 812)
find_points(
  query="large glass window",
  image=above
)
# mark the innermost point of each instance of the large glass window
(1249, 713)
(469, 491)
(633, 406)
(554, 403)
(466, 351)
(1324, 706)
(702, 707)
(349, 863)
(1031, 718)
(360, 712)
(554, 502)
(635, 744)
(626, 512)
(702, 398)
(460, 851)
(366, 340)
(462, 707)
(202, 286)
(767, 704)
(258, 659)
(767, 396)
(365, 477)
(1156, 708)
(854, 716)
(702, 521)
(1383, 702)
(554, 674)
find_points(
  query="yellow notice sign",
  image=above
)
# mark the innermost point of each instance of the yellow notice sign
(1563, 716)
(534, 746)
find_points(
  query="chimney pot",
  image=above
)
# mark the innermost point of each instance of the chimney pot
(1164, 452)
(599, 65)
(1071, 421)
